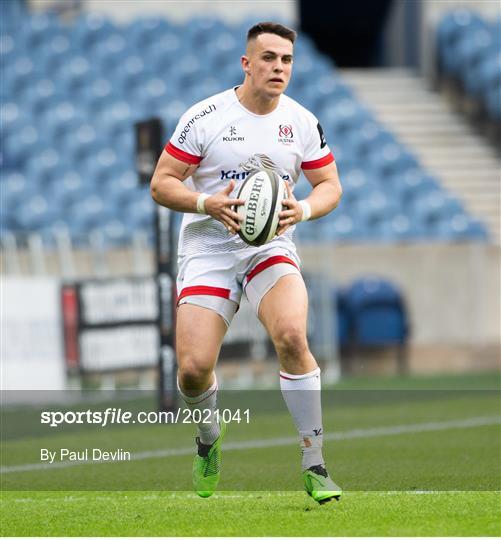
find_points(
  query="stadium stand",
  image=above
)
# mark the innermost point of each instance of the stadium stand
(72, 92)
(469, 51)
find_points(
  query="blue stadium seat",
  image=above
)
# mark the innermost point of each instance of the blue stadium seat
(38, 28)
(224, 48)
(69, 189)
(111, 51)
(85, 142)
(392, 159)
(121, 187)
(61, 119)
(411, 184)
(379, 316)
(343, 115)
(323, 91)
(459, 227)
(23, 72)
(90, 28)
(98, 95)
(191, 69)
(469, 53)
(369, 137)
(25, 142)
(165, 52)
(140, 212)
(12, 45)
(36, 212)
(399, 227)
(451, 28)
(14, 118)
(87, 213)
(57, 50)
(374, 207)
(201, 31)
(308, 67)
(472, 50)
(101, 165)
(152, 93)
(44, 165)
(40, 96)
(355, 183)
(433, 206)
(124, 143)
(130, 73)
(75, 73)
(118, 117)
(146, 31)
(15, 188)
(343, 225)
(489, 70)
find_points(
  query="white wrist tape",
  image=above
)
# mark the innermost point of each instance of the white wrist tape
(201, 203)
(305, 205)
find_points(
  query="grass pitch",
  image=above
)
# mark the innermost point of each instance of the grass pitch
(249, 514)
(419, 457)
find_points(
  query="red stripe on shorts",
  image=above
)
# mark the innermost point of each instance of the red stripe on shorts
(182, 155)
(317, 163)
(204, 290)
(276, 259)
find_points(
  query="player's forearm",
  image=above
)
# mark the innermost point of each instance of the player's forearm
(324, 198)
(171, 192)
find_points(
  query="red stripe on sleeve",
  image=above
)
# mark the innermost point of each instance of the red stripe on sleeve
(182, 155)
(317, 163)
(205, 290)
(267, 263)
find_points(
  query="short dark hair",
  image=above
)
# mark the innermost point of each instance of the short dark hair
(271, 28)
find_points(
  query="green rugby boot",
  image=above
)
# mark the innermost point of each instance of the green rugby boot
(207, 465)
(319, 485)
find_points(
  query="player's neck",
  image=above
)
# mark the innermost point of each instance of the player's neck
(254, 102)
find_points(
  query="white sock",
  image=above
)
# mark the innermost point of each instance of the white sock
(302, 396)
(208, 428)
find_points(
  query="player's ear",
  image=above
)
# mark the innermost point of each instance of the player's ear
(245, 64)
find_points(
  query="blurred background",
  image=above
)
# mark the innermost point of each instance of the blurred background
(404, 276)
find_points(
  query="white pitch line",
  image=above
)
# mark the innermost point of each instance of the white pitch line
(183, 495)
(382, 431)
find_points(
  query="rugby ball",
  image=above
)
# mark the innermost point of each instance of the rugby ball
(263, 192)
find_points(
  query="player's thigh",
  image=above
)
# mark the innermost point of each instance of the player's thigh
(199, 336)
(283, 310)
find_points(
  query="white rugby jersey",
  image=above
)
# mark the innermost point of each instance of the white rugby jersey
(228, 141)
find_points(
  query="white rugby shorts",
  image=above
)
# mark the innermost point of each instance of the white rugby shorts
(216, 280)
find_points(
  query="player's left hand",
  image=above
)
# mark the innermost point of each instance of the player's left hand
(292, 215)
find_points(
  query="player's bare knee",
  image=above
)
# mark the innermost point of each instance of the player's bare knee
(194, 372)
(291, 342)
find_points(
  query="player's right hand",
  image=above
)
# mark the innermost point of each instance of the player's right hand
(220, 207)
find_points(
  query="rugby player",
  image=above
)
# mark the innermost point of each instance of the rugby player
(243, 128)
